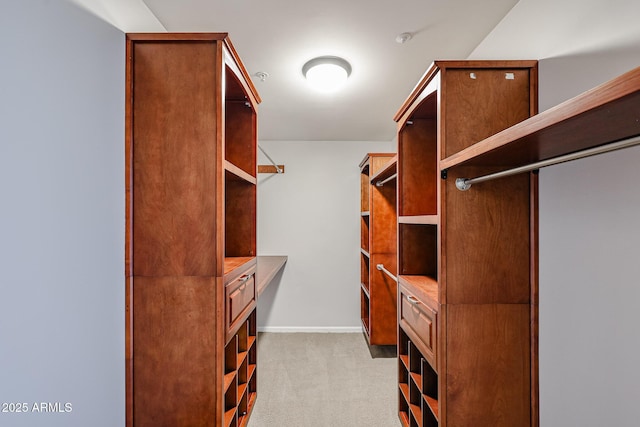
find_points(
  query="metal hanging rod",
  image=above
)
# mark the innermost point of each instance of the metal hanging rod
(463, 184)
(385, 271)
(278, 170)
(383, 182)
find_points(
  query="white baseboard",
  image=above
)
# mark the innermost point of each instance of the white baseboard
(311, 329)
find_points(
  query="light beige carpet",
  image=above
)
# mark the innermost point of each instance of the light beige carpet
(323, 380)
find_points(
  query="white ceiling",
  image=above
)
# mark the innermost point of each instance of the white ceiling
(279, 36)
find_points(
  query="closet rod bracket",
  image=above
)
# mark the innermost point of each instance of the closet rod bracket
(462, 184)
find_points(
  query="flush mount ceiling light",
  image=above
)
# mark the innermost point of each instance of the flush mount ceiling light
(326, 73)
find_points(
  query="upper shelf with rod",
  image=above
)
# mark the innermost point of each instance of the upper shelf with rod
(606, 114)
(387, 173)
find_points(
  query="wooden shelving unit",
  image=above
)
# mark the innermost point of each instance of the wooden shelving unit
(240, 373)
(378, 248)
(418, 384)
(604, 118)
(466, 283)
(191, 232)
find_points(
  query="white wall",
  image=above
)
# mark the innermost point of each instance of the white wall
(61, 215)
(589, 269)
(589, 234)
(311, 214)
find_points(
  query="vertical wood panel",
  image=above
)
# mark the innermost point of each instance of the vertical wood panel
(487, 240)
(174, 355)
(384, 219)
(482, 106)
(383, 293)
(364, 232)
(488, 370)
(174, 154)
(534, 259)
(364, 187)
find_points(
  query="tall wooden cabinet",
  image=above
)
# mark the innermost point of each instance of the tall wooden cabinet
(467, 285)
(190, 232)
(378, 286)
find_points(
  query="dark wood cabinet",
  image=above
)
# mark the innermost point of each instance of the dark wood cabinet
(190, 231)
(467, 281)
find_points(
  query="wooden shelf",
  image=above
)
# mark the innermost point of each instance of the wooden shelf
(229, 416)
(404, 418)
(241, 357)
(432, 404)
(604, 114)
(364, 213)
(404, 388)
(404, 358)
(251, 340)
(234, 173)
(242, 388)
(416, 411)
(365, 253)
(388, 169)
(364, 289)
(417, 379)
(244, 419)
(228, 380)
(419, 219)
(267, 268)
(251, 372)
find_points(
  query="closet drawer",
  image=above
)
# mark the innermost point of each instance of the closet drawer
(240, 297)
(419, 322)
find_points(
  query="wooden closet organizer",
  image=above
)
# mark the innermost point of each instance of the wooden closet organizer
(378, 249)
(191, 354)
(468, 335)
(467, 280)
(602, 119)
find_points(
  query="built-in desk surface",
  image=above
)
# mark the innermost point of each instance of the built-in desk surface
(268, 267)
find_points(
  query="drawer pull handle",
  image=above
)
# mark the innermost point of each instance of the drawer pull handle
(413, 300)
(243, 279)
